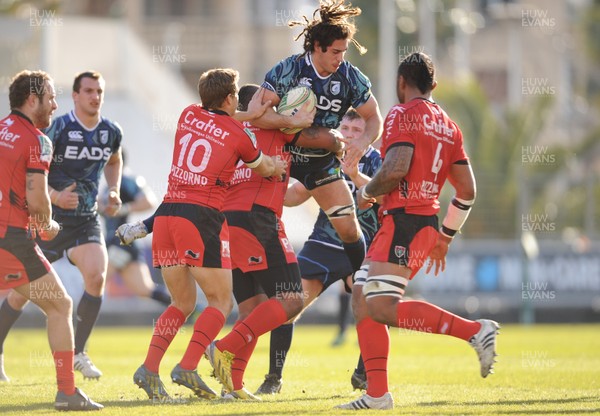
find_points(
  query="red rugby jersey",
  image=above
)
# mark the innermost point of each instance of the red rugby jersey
(437, 142)
(23, 149)
(208, 146)
(248, 188)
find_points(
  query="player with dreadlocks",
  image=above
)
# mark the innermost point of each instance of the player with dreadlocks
(338, 85)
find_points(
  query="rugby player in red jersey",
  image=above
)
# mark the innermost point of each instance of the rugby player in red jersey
(422, 147)
(26, 154)
(266, 278)
(191, 238)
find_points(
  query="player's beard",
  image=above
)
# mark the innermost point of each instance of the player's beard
(41, 116)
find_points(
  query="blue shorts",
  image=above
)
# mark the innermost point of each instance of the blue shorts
(325, 263)
(75, 231)
(121, 256)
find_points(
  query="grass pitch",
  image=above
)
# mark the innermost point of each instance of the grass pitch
(543, 369)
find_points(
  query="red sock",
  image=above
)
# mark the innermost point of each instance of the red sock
(65, 375)
(240, 362)
(374, 341)
(265, 317)
(207, 327)
(165, 329)
(425, 317)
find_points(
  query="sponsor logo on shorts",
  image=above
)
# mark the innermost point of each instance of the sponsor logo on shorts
(400, 251)
(192, 254)
(94, 238)
(11, 277)
(225, 249)
(255, 260)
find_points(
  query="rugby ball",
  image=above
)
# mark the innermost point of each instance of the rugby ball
(292, 101)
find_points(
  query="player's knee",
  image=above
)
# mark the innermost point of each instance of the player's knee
(64, 303)
(377, 312)
(348, 231)
(16, 301)
(94, 283)
(58, 303)
(293, 305)
(186, 306)
(222, 302)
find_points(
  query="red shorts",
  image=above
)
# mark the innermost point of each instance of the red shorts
(191, 235)
(406, 239)
(21, 260)
(258, 240)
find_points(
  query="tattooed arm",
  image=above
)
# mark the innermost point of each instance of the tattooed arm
(395, 167)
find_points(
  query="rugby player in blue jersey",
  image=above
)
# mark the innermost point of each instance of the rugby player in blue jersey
(85, 145)
(322, 260)
(338, 85)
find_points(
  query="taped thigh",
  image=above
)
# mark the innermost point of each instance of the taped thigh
(385, 285)
(338, 211)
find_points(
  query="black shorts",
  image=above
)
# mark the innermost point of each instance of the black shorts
(276, 282)
(324, 263)
(258, 240)
(121, 256)
(75, 231)
(21, 260)
(315, 171)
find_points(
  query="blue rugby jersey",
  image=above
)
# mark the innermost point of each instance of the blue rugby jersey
(80, 155)
(345, 88)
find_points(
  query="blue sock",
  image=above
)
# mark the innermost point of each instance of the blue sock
(149, 223)
(161, 295)
(360, 367)
(281, 340)
(356, 252)
(87, 313)
(8, 317)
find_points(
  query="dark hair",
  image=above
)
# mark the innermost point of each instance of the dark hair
(418, 71)
(245, 95)
(335, 23)
(215, 85)
(87, 74)
(352, 114)
(26, 83)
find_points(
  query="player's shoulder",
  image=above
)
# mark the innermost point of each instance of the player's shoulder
(291, 64)
(352, 73)
(413, 106)
(112, 125)
(372, 153)
(61, 122)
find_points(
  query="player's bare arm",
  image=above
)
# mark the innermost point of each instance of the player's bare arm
(395, 167)
(369, 111)
(295, 195)
(462, 179)
(270, 119)
(270, 167)
(355, 175)
(67, 198)
(316, 137)
(112, 173)
(38, 204)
